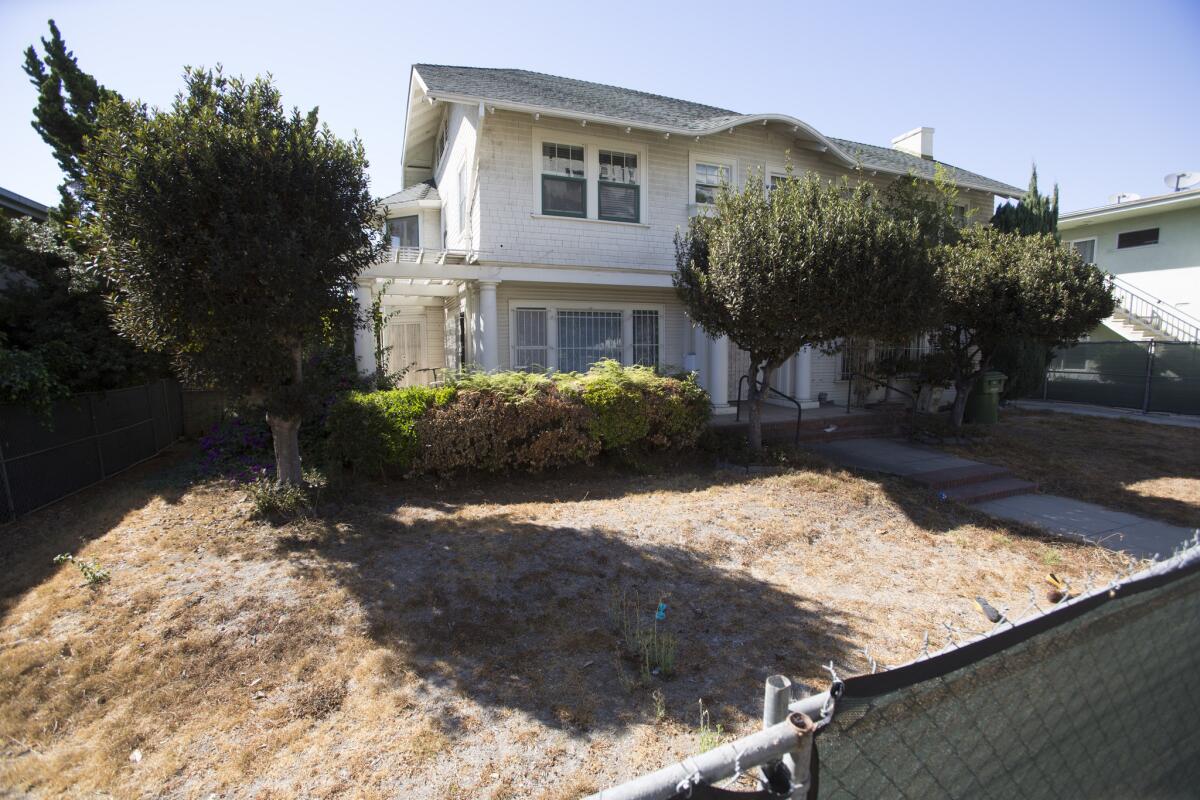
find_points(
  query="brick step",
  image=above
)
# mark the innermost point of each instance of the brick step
(989, 490)
(960, 476)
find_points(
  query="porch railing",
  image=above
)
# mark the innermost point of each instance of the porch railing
(745, 380)
(880, 383)
(1155, 313)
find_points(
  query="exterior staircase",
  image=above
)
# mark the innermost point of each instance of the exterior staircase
(1141, 317)
(974, 484)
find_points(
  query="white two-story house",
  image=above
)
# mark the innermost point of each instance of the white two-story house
(537, 226)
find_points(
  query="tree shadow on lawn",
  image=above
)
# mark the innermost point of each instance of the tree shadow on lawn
(29, 544)
(518, 615)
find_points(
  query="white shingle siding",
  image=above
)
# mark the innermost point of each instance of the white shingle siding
(511, 232)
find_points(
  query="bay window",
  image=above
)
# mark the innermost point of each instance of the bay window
(403, 232)
(564, 183)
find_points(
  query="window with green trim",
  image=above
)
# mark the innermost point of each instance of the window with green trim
(618, 195)
(564, 185)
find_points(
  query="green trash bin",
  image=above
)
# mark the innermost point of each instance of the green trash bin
(983, 403)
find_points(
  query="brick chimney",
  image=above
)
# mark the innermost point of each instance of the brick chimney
(917, 142)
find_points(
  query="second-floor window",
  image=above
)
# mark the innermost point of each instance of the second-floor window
(1137, 238)
(403, 232)
(708, 180)
(564, 183)
(617, 192)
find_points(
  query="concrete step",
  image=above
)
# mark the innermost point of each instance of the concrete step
(960, 476)
(787, 434)
(989, 490)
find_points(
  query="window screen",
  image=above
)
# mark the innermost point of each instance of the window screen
(618, 186)
(1137, 238)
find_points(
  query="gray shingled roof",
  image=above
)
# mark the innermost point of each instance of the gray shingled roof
(888, 158)
(418, 191)
(568, 94)
(598, 99)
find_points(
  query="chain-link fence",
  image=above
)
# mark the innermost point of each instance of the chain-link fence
(1151, 376)
(1096, 697)
(1097, 700)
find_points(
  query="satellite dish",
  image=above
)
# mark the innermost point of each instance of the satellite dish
(1123, 197)
(1178, 181)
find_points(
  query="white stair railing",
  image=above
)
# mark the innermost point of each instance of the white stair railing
(1154, 313)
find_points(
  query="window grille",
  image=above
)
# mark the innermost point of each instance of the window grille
(585, 337)
(645, 338)
(529, 333)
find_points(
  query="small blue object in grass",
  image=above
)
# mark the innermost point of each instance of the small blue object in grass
(942, 496)
(662, 611)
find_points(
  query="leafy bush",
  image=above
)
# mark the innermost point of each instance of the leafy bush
(374, 433)
(516, 420)
(533, 429)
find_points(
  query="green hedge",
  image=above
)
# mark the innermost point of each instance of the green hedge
(517, 421)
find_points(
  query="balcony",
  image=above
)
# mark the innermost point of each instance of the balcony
(423, 255)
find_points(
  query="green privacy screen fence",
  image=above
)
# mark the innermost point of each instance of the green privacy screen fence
(1098, 699)
(1150, 376)
(86, 438)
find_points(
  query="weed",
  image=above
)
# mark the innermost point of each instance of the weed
(709, 736)
(660, 705)
(1051, 557)
(653, 649)
(91, 571)
(274, 499)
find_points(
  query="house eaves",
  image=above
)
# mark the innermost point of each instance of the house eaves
(1136, 208)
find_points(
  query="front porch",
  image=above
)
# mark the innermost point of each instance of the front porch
(824, 423)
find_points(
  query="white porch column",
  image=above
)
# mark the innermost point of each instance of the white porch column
(700, 348)
(718, 368)
(802, 374)
(364, 337)
(489, 326)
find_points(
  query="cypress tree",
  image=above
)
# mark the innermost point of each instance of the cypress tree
(1034, 213)
(65, 116)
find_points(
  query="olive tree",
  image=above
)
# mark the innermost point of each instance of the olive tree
(996, 286)
(806, 263)
(232, 231)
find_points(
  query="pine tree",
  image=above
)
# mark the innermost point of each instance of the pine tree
(1034, 213)
(65, 117)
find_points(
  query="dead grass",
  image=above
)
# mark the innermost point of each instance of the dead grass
(432, 641)
(1142, 468)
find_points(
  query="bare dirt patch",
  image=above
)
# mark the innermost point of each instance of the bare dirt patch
(1152, 470)
(437, 641)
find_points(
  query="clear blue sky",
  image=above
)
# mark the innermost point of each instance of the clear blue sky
(1104, 95)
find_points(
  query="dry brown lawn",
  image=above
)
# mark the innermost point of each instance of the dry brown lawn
(440, 641)
(1139, 467)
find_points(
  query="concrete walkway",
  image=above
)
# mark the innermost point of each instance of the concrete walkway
(1062, 516)
(1085, 410)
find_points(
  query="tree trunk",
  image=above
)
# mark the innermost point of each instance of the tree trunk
(285, 431)
(757, 398)
(961, 389)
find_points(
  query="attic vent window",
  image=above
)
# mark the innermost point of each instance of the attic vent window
(564, 187)
(1137, 238)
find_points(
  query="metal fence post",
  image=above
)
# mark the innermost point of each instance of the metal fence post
(1149, 377)
(8, 498)
(96, 434)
